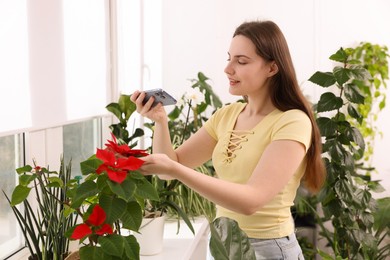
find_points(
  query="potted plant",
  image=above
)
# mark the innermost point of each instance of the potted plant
(154, 209)
(44, 228)
(346, 200)
(188, 116)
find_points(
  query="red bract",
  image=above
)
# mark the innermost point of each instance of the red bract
(124, 149)
(116, 168)
(93, 225)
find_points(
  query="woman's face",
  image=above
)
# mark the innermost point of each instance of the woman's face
(248, 73)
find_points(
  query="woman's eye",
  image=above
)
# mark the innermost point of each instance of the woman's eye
(241, 62)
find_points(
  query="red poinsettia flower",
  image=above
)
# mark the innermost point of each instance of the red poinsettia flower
(116, 168)
(124, 149)
(93, 225)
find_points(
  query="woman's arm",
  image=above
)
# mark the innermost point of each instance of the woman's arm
(276, 167)
(192, 153)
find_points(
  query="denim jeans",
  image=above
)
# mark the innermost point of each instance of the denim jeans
(285, 248)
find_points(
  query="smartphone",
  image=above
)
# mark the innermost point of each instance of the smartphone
(160, 96)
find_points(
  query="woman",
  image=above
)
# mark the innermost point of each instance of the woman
(260, 149)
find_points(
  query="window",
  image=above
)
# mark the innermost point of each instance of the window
(11, 158)
(80, 142)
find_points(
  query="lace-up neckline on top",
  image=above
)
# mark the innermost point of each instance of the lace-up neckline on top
(236, 138)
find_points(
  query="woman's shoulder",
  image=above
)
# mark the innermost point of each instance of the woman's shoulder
(292, 114)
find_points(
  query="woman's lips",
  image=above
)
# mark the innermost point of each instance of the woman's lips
(233, 82)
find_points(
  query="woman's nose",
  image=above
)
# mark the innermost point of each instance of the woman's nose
(228, 69)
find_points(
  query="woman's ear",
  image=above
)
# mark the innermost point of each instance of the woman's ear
(273, 68)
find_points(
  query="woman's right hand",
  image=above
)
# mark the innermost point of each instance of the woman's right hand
(156, 113)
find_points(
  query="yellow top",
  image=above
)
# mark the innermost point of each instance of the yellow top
(238, 152)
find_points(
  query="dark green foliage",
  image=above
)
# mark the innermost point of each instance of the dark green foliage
(346, 200)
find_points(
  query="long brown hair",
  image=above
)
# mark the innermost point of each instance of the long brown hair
(285, 91)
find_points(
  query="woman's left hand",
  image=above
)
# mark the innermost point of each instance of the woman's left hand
(159, 164)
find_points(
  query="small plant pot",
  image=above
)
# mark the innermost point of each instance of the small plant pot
(151, 235)
(73, 256)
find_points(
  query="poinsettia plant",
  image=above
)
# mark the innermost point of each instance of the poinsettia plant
(109, 201)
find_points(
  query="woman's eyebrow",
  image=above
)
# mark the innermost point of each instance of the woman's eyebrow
(239, 56)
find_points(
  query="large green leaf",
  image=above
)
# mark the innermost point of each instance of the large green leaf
(356, 136)
(132, 216)
(85, 190)
(90, 165)
(115, 109)
(112, 244)
(113, 207)
(328, 102)
(19, 194)
(323, 79)
(26, 168)
(146, 190)
(382, 216)
(93, 252)
(124, 190)
(25, 179)
(228, 241)
(327, 126)
(126, 106)
(341, 74)
(131, 248)
(352, 93)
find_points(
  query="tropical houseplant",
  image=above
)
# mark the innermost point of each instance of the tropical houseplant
(44, 228)
(349, 220)
(188, 116)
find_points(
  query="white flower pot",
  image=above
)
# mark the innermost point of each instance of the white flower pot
(151, 235)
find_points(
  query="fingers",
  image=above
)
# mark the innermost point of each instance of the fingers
(138, 98)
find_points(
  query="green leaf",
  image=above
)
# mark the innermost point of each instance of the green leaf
(352, 93)
(115, 109)
(354, 113)
(90, 165)
(323, 79)
(132, 216)
(113, 207)
(131, 247)
(340, 56)
(181, 213)
(328, 102)
(146, 190)
(55, 182)
(26, 168)
(85, 190)
(355, 136)
(93, 252)
(124, 190)
(126, 106)
(19, 194)
(228, 241)
(327, 126)
(381, 215)
(112, 244)
(341, 74)
(360, 73)
(26, 179)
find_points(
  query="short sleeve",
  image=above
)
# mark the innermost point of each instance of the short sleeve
(293, 125)
(211, 125)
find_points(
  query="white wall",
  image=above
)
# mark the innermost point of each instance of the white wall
(196, 37)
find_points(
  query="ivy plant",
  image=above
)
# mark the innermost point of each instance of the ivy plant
(346, 199)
